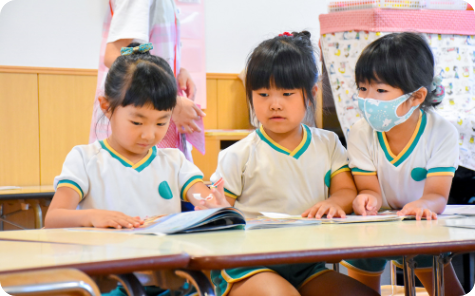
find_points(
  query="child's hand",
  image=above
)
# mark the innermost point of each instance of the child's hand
(325, 207)
(118, 220)
(216, 199)
(365, 204)
(419, 209)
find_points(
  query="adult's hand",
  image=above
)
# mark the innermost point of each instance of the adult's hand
(186, 84)
(185, 114)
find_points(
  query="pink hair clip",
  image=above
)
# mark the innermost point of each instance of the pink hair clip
(286, 34)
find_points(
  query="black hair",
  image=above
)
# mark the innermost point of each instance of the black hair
(141, 79)
(402, 60)
(286, 62)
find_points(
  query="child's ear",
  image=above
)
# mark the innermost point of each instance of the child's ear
(314, 94)
(105, 106)
(315, 90)
(419, 96)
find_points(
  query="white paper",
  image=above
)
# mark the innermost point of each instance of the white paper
(348, 219)
(468, 210)
(9, 187)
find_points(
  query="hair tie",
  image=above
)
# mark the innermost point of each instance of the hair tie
(437, 89)
(141, 48)
(286, 34)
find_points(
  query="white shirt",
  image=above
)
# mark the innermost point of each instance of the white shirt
(147, 21)
(106, 180)
(264, 176)
(431, 151)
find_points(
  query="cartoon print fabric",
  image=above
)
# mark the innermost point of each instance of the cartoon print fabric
(455, 63)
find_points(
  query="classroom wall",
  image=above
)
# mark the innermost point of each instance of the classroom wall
(67, 33)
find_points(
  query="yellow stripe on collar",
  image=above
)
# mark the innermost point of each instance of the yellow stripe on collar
(147, 157)
(408, 145)
(117, 153)
(304, 140)
(272, 141)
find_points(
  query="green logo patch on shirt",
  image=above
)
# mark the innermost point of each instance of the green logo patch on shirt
(419, 174)
(165, 191)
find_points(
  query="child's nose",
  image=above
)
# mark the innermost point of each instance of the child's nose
(276, 104)
(148, 133)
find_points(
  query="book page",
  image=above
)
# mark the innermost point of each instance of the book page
(179, 222)
(348, 219)
(468, 210)
(266, 222)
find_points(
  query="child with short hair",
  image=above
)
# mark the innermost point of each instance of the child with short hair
(119, 181)
(286, 167)
(403, 154)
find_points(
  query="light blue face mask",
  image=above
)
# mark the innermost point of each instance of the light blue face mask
(381, 115)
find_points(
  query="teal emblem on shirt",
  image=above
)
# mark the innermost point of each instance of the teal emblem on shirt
(328, 177)
(165, 191)
(419, 174)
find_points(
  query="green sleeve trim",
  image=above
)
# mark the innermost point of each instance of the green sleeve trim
(357, 170)
(230, 193)
(442, 170)
(188, 184)
(72, 183)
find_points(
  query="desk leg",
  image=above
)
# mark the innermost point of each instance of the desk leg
(1, 214)
(38, 215)
(198, 280)
(409, 280)
(468, 270)
(438, 265)
(130, 283)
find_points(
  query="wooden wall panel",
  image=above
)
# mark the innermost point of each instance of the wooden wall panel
(66, 103)
(19, 138)
(211, 119)
(232, 106)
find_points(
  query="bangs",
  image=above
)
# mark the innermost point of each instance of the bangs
(151, 85)
(392, 60)
(381, 66)
(284, 70)
(280, 64)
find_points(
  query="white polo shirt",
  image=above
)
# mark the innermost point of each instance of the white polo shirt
(432, 151)
(264, 176)
(106, 180)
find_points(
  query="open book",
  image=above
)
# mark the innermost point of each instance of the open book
(348, 219)
(266, 222)
(186, 222)
(465, 210)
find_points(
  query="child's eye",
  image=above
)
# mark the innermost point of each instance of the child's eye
(135, 123)
(264, 95)
(288, 94)
(362, 88)
(161, 124)
(381, 90)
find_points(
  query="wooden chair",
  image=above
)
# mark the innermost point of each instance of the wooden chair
(62, 282)
(394, 290)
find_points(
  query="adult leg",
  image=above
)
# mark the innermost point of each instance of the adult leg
(372, 280)
(335, 284)
(451, 282)
(263, 284)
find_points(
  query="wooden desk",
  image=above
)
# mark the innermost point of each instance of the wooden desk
(229, 249)
(97, 253)
(92, 259)
(30, 193)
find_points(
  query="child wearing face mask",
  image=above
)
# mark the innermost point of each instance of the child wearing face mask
(403, 154)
